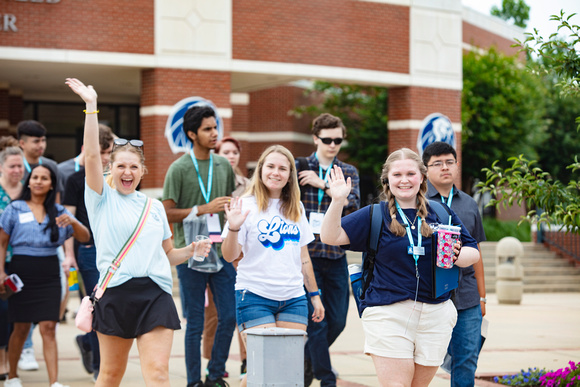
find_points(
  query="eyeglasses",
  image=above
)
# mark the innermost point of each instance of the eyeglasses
(439, 164)
(328, 140)
(122, 141)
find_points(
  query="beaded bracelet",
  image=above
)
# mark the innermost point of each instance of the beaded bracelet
(95, 112)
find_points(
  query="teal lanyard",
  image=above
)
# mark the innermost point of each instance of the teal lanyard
(27, 166)
(410, 236)
(325, 179)
(449, 201)
(77, 164)
(206, 193)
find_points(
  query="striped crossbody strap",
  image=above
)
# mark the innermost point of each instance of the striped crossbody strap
(124, 250)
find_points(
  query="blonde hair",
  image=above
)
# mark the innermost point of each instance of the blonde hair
(124, 148)
(290, 196)
(395, 227)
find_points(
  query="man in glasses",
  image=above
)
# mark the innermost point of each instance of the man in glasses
(329, 262)
(199, 184)
(469, 298)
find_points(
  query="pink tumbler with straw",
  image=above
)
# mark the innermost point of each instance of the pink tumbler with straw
(447, 236)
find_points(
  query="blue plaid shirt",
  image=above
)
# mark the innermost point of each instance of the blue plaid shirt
(316, 248)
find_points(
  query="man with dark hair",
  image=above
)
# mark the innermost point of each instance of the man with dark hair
(32, 140)
(469, 298)
(86, 253)
(200, 184)
(329, 262)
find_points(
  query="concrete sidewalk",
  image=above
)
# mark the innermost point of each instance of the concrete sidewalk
(541, 332)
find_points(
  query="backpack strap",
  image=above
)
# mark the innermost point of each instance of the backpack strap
(302, 166)
(443, 212)
(372, 247)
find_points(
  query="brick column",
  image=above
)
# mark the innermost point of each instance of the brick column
(408, 107)
(160, 90)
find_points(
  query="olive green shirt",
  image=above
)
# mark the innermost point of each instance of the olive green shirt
(182, 186)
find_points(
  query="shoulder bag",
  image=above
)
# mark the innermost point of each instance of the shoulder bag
(84, 317)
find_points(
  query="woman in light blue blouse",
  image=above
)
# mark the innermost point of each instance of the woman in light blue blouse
(35, 226)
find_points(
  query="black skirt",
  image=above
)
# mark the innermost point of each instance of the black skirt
(134, 308)
(40, 297)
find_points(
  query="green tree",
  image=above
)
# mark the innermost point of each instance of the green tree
(502, 111)
(363, 109)
(517, 10)
(524, 182)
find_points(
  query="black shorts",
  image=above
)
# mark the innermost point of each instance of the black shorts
(134, 308)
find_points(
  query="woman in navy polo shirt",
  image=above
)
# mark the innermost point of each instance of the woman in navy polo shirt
(407, 331)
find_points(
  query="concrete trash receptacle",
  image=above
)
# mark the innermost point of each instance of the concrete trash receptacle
(509, 271)
(275, 357)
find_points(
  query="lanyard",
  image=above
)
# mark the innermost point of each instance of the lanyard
(449, 201)
(325, 179)
(27, 166)
(206, 193)
(77, 164)
(410, 236)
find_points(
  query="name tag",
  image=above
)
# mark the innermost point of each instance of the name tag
(26, 217)
(416, 250)
(214, 228)
(316, 221)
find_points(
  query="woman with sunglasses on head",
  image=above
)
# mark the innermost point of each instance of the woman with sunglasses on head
(407, 331)
(268, 224)
(35, 226)
(137, 303)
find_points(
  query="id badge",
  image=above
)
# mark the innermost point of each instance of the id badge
(26, 217)
(316, 222)
(213, 227)
(416, 250)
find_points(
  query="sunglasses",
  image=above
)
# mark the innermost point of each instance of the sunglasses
(122, 141)
(328, 140)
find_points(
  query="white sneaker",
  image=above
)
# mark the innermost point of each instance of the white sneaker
(27, 360)
(57, 384)
(14, 382)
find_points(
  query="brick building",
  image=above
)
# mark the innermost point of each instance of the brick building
(143, 56)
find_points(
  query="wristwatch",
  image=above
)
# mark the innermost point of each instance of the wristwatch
(316, 293)
(483, 299)
(326, 185)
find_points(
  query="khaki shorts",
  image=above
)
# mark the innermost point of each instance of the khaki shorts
(400, 331)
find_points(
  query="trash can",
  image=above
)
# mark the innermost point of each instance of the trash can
(275, 357)
(509, 271)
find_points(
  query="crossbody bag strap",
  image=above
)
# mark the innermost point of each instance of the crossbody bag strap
(124, 250)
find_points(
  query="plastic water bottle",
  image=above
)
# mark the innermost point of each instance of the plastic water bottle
(73, 279)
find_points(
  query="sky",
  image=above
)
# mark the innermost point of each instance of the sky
(540, 11)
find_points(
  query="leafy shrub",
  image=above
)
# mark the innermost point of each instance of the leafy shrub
(497, 229)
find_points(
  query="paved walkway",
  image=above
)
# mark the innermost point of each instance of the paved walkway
(541, 332)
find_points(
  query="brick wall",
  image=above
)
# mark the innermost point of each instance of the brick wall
(167, 87)
(96, 25)
(343, 33)
(481, 38)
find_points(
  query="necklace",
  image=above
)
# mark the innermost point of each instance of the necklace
(409, 220)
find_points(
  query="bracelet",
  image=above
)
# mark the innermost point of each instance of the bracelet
(95, 112)
(316, 293)
(483, 299)
(234, 230)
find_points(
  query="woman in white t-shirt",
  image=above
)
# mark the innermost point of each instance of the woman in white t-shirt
(137, 303)
(269, 226)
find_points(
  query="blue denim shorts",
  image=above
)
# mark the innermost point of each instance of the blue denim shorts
(253, 310)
